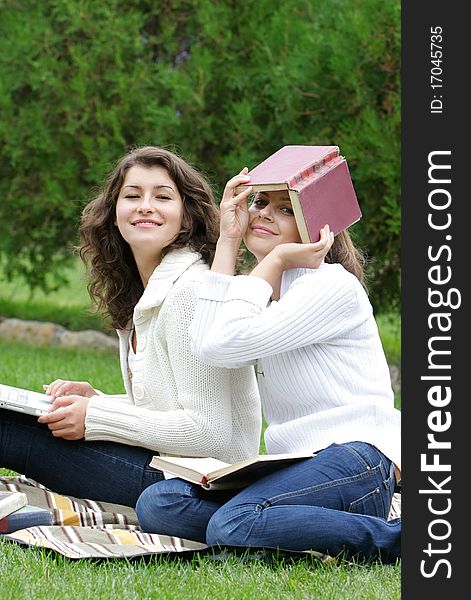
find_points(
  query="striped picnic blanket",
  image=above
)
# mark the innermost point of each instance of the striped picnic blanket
(88, 529)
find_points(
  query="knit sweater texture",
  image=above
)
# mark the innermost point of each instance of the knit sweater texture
(174, 403)
(321, 368)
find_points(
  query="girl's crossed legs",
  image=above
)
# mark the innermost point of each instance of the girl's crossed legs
(337, 501)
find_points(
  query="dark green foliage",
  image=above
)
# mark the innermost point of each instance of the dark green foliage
(224, 83)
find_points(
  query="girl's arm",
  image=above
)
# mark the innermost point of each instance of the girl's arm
(198, 422)
(320, 306)
(293, 256)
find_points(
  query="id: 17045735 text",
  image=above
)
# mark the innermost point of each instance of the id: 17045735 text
(436, 70)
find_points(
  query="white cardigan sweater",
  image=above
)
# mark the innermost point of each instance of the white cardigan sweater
(175, 404)
(322, 372)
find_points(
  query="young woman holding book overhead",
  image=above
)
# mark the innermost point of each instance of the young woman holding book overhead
(308, 326)
(147, 238)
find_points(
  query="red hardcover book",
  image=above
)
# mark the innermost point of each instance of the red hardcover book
(319, 185)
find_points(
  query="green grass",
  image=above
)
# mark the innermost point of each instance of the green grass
(30, 367)
(69, 305)
(53, 576)
(389, 326)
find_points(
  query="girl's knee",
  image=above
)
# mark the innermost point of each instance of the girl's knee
(155, 502)
(146, 508)
(214, 531)
(231, 526)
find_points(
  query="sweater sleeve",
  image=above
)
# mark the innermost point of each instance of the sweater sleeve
(199, 423)
(211, 299)
(242, 327)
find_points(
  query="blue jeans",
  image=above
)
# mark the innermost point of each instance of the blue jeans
(337, 502)
(104, 471)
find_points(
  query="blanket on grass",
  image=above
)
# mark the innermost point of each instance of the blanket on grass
(89, 529)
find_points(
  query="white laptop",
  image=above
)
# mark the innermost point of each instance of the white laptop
(25, 401)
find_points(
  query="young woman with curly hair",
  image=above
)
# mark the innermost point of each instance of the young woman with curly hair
(147, 240)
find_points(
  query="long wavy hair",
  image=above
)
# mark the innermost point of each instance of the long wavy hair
(344, 252)
(114, 282)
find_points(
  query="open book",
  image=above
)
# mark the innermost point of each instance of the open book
(212, 473)
(318, 183)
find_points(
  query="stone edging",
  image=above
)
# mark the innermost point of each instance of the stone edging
(50, 334)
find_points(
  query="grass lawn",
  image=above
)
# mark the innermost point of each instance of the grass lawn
(53, 576)
(68, 306)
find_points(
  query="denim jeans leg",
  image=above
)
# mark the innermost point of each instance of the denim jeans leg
(177, 507)
(337, 501)
(104, 471)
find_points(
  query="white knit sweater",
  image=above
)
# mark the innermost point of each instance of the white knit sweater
(175, 404)
(322, 372)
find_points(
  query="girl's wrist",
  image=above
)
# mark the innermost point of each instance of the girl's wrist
(277, 258)
(225, 258)
(270, 268)
(229, 244)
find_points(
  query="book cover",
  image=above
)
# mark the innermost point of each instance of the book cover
(27, 516)
(319, 185)
(11, 501)
(212, 473)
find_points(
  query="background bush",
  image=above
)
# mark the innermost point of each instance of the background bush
(224, 83)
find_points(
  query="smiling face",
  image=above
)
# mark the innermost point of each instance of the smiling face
(149, 212)
(271, 222)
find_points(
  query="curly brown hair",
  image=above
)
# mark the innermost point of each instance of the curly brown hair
(114, 282)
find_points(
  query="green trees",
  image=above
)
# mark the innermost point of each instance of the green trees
(224, 83)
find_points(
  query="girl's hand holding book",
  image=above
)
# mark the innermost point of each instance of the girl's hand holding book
(234, 209)
(67, 417)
